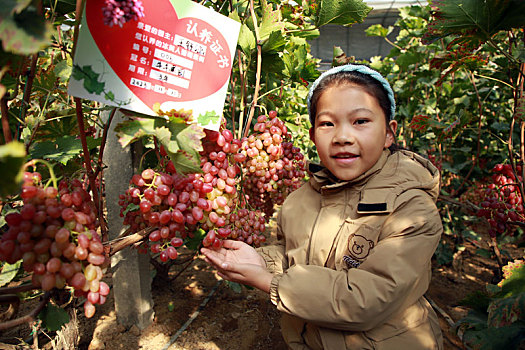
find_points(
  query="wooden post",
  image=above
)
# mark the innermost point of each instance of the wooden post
(131, 270)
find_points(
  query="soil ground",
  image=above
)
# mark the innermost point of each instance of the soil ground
(195, 310)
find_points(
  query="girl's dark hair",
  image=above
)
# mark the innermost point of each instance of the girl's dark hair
(371, 86)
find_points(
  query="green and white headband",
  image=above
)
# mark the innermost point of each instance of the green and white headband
(354, 68)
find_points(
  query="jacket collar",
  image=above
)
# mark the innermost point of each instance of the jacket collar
(322, 180)
(381, 184)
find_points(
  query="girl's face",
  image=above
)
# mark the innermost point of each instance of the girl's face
(350, 132)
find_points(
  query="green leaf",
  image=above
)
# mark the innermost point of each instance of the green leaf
(53, 317)
(63, 70)
(378, 30)
(484, 253)
(408, 58)
(271, 21)
(11, 7)
(208, 118)
(514, 284)
(62, 150)
(9, 272)
(181, 141)
(194, 242)
(345, 12)
(132, 130)
(24, 32)
(171, 306)
(131, 207)
(276, 41)
(503, 312)
(236, 287)
(507, 337)
(12, 158)
(246, 40)
(59, 126)
(481, 19)
(187, 160)
(91, 83)
(471, 234)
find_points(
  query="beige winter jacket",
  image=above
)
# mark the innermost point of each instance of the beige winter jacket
(353, 259)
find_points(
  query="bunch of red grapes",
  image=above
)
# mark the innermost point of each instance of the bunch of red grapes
(54, 233)
(219, 201)
(501, 201)
(273, 167)
(178, 205)
(118, 12)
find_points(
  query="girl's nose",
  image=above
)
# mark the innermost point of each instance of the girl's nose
(343, 135)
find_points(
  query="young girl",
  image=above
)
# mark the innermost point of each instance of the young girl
(355, 242)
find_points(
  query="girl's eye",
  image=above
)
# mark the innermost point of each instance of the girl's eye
(361, 121)
(326, 123)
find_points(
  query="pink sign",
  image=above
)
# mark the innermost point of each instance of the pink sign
(177, 61)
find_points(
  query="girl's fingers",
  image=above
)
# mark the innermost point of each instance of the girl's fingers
(230, 244)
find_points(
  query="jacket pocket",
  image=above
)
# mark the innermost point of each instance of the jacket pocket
(405, 321)
(355, 243)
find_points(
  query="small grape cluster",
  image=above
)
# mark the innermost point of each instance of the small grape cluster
(118, 12)
(54, 233)
(502, 202)
(163, 201)
(273, 167)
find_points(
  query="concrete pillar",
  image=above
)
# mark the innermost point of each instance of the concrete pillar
(130, 270)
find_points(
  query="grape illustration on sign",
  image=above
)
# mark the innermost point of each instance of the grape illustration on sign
(177, 56)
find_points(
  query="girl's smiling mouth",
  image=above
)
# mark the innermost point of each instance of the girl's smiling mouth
(345, 155)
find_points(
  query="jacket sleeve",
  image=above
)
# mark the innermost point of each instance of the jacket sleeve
(274, 255)
(393, 277)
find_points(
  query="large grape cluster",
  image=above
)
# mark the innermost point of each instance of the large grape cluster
(55, 234)
(178, 205)
(501, 200)
(273, 167)
(232, 197)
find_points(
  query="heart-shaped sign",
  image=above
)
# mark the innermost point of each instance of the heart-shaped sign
(161, 57)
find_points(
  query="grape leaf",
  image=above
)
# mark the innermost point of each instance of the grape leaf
(246, 41)
(130, 208)
(194, 242)
(12, 158)
(208, 118)
(62, 150)
(11, 7)
(22, 29)
(503, 312)
(378, 30)
(275, 43)
(181, 141)
(236, 287)
(132, 130)
(9, 272)
(345, 12)
(481, 19)
(53, 317)
(91, 83)
(63, 70)
(271, 21)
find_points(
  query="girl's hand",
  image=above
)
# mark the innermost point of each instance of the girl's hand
(238, 262)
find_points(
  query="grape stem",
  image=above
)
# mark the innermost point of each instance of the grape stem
(257, 74)
(49, 166)
(118, 244)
